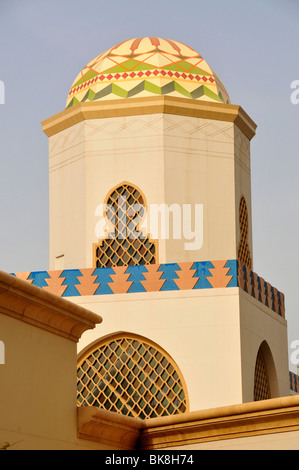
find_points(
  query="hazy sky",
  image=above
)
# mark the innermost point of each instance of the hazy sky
(253, 47)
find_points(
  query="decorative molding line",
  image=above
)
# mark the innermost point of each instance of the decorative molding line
(158, 277)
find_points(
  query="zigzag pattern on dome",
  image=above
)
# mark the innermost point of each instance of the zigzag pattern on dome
(146, 67)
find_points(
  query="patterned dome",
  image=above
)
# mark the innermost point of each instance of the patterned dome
(143, 67)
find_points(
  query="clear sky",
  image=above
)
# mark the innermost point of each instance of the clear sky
(253, 47)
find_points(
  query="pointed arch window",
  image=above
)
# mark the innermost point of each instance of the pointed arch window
(261, 378)
(125, 245)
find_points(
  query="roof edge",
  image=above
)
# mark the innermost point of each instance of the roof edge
(152, 105)
(39, 307)
(276, 415)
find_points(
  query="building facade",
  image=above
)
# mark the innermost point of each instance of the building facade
(151, 230)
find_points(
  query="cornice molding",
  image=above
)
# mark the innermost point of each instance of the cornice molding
(105, 427)
(33, 305)
(153, 105)
(278, 415)
(232, 422)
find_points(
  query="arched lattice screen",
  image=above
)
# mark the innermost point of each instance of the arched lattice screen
(244, 255)
(125, 246)
(130, 375)
(261, 380)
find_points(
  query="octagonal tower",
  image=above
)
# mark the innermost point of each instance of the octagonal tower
(152, 113)
(149, 134)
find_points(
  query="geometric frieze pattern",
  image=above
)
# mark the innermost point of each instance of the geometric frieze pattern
(158, 277)
(261, 290)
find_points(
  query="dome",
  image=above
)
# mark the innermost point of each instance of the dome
(144, 67)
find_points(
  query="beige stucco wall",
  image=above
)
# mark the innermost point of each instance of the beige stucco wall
(88, 160)
(173, 159)
(37, 385)
(204, 331)
(212, 334)
(199, 330)
(38, 388)
(67, 193)
(258, 324)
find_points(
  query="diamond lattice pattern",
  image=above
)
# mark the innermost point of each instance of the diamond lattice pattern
(261, 382)
(244, 255)
(131, 377)
(125, 247)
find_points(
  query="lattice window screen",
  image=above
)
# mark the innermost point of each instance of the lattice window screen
(131, 376)
(261, 381)
(244, 255)
(125, 246)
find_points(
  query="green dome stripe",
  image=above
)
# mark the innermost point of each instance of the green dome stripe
(113, 89)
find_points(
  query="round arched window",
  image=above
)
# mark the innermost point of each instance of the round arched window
(129, 374)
